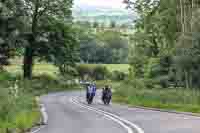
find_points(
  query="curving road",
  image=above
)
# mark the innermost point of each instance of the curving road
(68, 113)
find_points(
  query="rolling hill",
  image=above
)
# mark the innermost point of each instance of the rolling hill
(103, 14)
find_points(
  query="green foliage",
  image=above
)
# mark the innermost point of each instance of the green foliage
(100, 72)
(107, 47)
(8, 30)
(118, 76)
(69, 72)
(13, 101)
(97, 72)
(19, 109)
(171, 99)
(25, 120)
(138, 64)
(48, 35)
(95, 24)
(113, 24)
(63, 39)
(155, 54)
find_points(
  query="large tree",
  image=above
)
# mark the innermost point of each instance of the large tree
(39, 15)
(10, 24)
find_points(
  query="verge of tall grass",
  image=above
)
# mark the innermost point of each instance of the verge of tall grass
(18, 110)
(179, 99)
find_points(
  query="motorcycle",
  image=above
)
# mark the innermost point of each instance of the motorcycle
(90, 98)
(106, 98)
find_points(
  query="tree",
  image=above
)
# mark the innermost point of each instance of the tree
(115, 45)
(10, 25)
(168, 31)
(187, 47)
(113, 24)
(95, 24)
(154, 39)
(39, 15)
(61, 46)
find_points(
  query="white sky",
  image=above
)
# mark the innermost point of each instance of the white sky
(101, 3)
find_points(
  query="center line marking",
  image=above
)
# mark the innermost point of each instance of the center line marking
(123, 122)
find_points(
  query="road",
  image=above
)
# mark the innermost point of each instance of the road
(68, 113)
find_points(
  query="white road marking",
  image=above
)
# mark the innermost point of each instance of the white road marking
(44, 119)
(44, 114)
(37, 130)
(123, 122)
(129, 130)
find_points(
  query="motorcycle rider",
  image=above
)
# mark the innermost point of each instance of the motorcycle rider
(106, 91)
(91, 90)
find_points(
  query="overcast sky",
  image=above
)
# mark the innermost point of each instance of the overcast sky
(101, 3)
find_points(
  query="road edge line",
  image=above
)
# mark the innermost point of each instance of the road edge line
(164, 110)
(44, 118)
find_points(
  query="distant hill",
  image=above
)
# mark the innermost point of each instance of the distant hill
(101, 14)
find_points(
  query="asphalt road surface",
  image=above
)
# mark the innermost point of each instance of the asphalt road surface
(69, 113)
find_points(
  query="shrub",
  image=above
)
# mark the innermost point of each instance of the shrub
(69, 71)
(97, 72)
(84, 70)
(163, 81)
(100, 72)
(117, 75)
(5, 76)
(149, 83)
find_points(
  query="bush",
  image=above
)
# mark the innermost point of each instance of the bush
(84, 70)
(117, 75)
(149, 83)
(5, 76)
(97, 72)
(69, 71)
(100, 72)
(163, 81)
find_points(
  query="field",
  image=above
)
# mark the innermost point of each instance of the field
(37, 69)
(117, 67)
(41, 68)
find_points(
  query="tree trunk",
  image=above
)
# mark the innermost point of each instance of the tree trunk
(29, 51)
(187, 82)
(28, 62)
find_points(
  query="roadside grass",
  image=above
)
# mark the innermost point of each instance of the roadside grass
(113, 67)
(19, 110)
(177, 99)
(25, 120)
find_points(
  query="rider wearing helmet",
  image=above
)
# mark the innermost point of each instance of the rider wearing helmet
(91, 90)
(106, 91)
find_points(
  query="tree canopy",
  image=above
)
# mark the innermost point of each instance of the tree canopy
(166, 36)
(42, 28)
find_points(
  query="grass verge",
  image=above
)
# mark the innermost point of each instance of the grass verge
(19, 110)
(179, 99)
